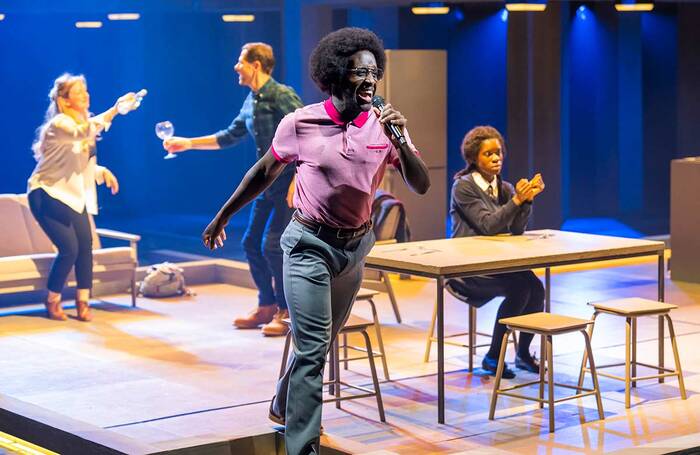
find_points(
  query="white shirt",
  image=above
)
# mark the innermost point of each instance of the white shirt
(484, 185)
(67, 168)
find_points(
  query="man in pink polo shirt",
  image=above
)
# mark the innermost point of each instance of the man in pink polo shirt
(340, 148)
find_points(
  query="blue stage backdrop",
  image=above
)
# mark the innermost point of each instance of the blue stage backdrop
(186, 63)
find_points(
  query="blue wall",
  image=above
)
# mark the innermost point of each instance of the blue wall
(185, 60)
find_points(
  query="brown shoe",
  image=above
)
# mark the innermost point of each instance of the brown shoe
(260, 315)
(83, 311)
(281, 421)
(55, 311)
(277, 328)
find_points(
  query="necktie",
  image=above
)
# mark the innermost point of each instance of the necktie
(489, 191)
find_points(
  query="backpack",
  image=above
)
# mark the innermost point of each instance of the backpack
(163, 280)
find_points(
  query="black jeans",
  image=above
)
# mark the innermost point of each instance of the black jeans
(523, 292)
(70, 232)
(269, 217)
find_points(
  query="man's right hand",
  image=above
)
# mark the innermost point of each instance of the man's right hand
(177, 144)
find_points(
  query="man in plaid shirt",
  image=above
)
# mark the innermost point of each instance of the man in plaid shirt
(263, 109)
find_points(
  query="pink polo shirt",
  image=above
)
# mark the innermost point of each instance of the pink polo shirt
(339, 165)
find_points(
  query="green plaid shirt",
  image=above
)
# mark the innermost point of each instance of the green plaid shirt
(259, 116)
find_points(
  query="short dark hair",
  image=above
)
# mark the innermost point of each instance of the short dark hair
(329, 60)
(261, 52)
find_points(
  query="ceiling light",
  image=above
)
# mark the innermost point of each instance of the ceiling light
(238, 17)
(123, 16)
(88, 24)
(538, 7)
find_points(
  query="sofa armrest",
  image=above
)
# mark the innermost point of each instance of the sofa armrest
(133, 239)
(118, 235)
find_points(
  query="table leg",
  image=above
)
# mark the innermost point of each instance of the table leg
(441, 348)
(547, 289)
(661, 273)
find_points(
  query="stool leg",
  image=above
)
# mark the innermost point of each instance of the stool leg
(285, 353)
(628, 336)
(515, 343)
(392, 296)
(585, 353)
(676, 357)
(543, 364)
(431, 335)
(331, 369)
(550, 383)
(661, 346)
(594, 375)
(345, 351)
(634, 350)
(375, 379)
(380, 342)
(472, 335)
(499, 372)
(336, 369)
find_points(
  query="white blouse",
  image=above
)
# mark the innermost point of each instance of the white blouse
(67, 168)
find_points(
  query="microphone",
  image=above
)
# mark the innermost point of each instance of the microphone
(378, 102)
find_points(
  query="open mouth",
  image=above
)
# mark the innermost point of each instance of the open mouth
(365, 95)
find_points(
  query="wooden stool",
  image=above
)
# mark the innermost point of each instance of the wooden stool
(352, 325)
(471, 332)
(366, 295)
(631, 309)
(546, 325)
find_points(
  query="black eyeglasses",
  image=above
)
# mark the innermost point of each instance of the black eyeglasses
(363, 72)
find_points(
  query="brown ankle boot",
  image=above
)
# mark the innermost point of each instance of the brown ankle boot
(277, 327)
(83, 311)
(260, 315)
(54, 310)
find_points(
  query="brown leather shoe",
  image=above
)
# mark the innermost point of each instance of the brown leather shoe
(55, 311)
(260, 315)
(83, 311)
(276, 328)
(281, 421)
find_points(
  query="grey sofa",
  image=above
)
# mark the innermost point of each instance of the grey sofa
(26, 253)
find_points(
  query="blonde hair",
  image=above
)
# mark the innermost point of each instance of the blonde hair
(61, 88)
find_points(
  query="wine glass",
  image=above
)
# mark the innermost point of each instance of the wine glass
(165, 130)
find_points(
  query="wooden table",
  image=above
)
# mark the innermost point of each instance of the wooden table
(470, 256)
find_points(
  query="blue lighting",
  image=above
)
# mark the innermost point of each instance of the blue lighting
(504, 15)
(459, 15)
(582, 12)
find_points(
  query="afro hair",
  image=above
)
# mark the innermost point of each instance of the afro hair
(329, 60)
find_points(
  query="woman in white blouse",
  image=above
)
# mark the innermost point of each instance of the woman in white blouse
(62, 187)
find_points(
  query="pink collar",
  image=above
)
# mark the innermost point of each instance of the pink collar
(333, 113)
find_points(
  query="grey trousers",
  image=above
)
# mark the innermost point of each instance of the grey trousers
(321, 280)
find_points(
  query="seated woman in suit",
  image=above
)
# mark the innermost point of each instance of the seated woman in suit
(482, 203)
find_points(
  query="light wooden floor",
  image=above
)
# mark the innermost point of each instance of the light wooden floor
(174, 373)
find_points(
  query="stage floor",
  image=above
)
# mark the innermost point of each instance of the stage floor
(174, 373)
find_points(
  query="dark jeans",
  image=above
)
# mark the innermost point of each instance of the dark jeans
(70, 232)
(523, 292)
(269, 217)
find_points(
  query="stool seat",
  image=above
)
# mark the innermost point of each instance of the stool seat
(366, 294)
(545, 323)
(633, 306)
(356, 323)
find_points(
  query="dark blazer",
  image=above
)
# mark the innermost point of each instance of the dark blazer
(474, 212)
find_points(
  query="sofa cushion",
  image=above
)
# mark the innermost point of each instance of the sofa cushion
(37, 265)
(15, 240)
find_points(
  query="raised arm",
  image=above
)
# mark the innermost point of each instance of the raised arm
(255, 181)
